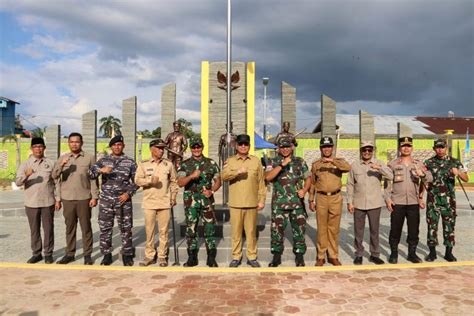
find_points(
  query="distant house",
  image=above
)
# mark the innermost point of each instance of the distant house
(7, 116)
(386, 125)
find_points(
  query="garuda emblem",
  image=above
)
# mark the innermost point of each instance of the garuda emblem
(222, 80)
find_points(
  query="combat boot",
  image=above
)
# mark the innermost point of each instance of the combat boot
(127, 260)
(299, 260)
(276, 260)
(107, 261)
(448, 256)
(393, 259)
(211, 258)
(192, 259)
(412, 257)
(432, 255)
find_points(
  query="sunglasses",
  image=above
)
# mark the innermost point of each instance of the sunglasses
(243, 144)
(196, 147)
(367, 150)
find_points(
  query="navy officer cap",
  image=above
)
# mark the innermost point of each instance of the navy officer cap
(116, 139)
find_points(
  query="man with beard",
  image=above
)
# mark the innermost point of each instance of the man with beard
(365, 199)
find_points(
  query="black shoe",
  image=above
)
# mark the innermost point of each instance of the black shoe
(412, 257)
(211, 258)
(107, 261)
(276, 261)
(127, 260)
(235, 263)
(253, 263)
(393, 259)
(376, 260)
(88, 260)
(358, 260)
(192, 259)
(66, 259)
(48, 259)
(299, 260)
(35, 259)
(432, 255)
(448, 256)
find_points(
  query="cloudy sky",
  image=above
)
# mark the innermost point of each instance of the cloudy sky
(405, 57)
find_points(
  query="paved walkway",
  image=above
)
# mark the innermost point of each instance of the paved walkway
(78, 290)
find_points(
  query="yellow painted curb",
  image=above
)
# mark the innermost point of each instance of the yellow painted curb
(237, 270)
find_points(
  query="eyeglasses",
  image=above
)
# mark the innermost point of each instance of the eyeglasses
(243, 144)
(196, 147)
(368, 150)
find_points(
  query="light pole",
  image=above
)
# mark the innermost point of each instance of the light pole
(265, 81)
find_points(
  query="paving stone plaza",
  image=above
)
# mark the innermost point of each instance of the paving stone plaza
(405, 289)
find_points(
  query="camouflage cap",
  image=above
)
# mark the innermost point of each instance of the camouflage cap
(116, 139)
(440, 143)
(326, 141)
(197, 141)
(157, 143)
(284, 142)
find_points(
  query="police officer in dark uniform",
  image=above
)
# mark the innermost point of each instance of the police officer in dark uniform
(115, 200)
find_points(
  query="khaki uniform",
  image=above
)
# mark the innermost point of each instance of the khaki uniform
(364, 192)
(156, 202)
(404, 193)
(326, 185)
(76, 191)
(41, 193)
(245, 192)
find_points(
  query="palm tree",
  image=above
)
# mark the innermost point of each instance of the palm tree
(110, 126)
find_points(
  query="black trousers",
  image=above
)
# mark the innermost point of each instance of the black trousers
(397, 218)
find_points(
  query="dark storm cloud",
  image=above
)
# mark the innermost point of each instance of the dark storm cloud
(416, 53)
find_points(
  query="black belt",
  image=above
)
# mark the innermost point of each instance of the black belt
(329, 193)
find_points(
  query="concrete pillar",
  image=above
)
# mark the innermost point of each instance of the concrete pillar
(89, 132)
(328, 118)
(129, 126)
(52, 138)
(288, 105)
(168, 108)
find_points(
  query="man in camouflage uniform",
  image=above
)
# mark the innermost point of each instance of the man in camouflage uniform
(291, 180)
(199, 176)
(441, 199)
(115, 200)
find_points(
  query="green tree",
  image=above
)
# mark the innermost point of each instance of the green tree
(110, 125)
(38, 132)
(156, 133)
(187, 129)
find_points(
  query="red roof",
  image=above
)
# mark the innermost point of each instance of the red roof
(439, 125)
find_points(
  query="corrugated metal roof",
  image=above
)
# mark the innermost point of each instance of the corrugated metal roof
(384, 124)
(8, 100)
(438, 125)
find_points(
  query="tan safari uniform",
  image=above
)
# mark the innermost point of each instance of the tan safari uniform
(326, 187)
(245, 192)
(156, 202)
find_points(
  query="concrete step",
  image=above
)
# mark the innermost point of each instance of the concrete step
(224, 249)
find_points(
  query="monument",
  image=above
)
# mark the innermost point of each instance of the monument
(89, 132)
(214, 103)
(168, 108)
(52, 139)
(129, 127)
